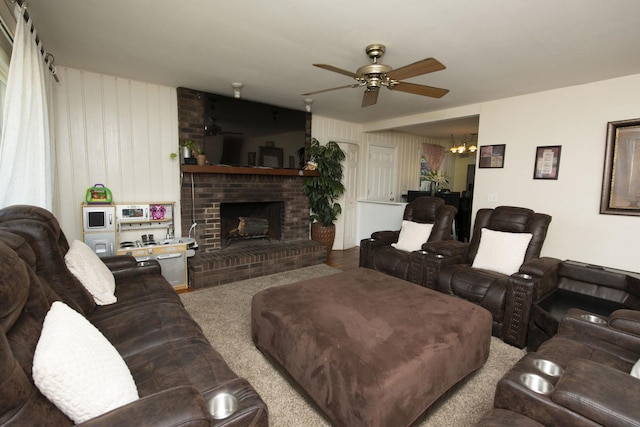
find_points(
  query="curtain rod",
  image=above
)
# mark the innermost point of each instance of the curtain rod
(49, 59)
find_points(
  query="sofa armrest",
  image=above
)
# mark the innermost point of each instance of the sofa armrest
(626, 321)
(180, 406)
(449, 248)
(147, 267)
(579, 323)
(118, 262)
(385, 237)
(436, 256)
(599, 392)
(544, 272)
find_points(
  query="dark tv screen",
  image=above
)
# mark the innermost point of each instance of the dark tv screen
(245, 133)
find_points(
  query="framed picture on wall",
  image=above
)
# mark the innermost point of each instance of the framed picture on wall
(491, 156)
(547, 162)
(620, 184)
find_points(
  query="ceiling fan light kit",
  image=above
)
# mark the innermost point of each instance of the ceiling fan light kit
(374, 76)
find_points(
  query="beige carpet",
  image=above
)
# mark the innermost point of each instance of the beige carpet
(223, 313)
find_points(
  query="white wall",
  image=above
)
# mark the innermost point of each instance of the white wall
(116, 132)
(575, 118)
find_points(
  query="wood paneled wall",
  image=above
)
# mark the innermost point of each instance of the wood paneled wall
(116, 132)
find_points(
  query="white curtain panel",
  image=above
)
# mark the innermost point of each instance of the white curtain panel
(26, 148)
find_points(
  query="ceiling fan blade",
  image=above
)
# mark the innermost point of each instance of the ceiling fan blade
(425, 66)
(327, 90)
(336, 70)
(423, 90)
(370, 97)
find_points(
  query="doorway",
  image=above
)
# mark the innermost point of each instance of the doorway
(381, 182)
(349, 201)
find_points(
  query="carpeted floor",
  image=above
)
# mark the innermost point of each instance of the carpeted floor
(223, 313)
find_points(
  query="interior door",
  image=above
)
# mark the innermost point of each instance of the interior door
(382, 176)
(349, 204)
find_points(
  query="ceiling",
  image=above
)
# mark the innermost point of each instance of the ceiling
(492, 49)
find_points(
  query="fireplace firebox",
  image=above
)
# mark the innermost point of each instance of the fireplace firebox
(215, 201)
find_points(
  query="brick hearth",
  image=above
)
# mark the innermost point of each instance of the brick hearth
(214, 264)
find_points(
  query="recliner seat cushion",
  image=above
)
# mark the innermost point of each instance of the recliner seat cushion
(483, 287)
(392, 261)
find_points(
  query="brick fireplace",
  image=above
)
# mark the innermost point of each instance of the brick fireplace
(216, 263)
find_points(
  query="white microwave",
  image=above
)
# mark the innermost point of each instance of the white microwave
(98, 218)
(132, 213)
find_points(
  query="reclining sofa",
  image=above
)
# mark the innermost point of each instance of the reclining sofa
(586, 374)
(378, 252)
(176, 371)
(451, 267)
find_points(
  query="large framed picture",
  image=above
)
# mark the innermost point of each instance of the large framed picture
(492, 156)
(547, 163)
(621, 180)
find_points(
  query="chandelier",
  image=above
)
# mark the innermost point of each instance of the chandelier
(464, 146)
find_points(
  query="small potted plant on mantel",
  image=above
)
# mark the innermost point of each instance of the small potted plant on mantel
(200, 156)
(323, 190)
(185, 150)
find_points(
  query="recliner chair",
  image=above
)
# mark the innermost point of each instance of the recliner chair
(507, 295)
(377, 253)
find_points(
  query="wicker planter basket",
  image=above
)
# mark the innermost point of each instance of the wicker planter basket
(324, 234)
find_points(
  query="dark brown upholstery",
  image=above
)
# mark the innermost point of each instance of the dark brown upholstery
(175, 368)
(370, 349)
(597, 289)
(595, 387)
(378, 254)
(508, 298)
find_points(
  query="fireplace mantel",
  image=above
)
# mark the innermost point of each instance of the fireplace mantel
(246, 170)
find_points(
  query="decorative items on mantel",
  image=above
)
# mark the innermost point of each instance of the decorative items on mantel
(238, 170)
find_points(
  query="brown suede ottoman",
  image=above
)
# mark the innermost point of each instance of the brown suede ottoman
(370, 349)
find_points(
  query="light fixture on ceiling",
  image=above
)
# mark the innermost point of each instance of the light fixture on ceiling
(307, 104)
(236, 89)
(464, 146)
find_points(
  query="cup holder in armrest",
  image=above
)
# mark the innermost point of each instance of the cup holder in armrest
(593, 319)
(222, 405)
(439, 256)
(548, 367)
(536, 383)
(524, 276)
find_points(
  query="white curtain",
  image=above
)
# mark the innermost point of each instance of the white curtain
(26, 148)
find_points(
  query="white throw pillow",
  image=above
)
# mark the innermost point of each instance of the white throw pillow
(501, 251)
(412, 236)
(91, 272)
(77, 368)
(635, 371)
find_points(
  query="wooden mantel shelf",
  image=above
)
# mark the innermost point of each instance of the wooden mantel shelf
(246, 170)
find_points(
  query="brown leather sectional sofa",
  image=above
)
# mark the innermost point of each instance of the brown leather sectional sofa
(175, 368)
(579, 376)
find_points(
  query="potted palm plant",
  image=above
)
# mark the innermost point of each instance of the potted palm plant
(324, 190)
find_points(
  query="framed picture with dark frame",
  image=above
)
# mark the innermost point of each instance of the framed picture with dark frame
(547, 162)
(492, 156)
(270, 157)
(620, 185)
